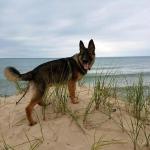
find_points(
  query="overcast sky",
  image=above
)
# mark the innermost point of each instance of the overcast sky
(53, 28)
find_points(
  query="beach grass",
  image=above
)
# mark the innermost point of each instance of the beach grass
(100, 143)
(104, 88)
(134, 119)
(58, 98)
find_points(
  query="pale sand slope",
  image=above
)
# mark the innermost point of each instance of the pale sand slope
(60, 132)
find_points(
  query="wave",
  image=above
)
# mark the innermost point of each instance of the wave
(117, 74)
(105, 68)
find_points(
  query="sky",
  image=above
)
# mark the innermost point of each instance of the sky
(53, 28)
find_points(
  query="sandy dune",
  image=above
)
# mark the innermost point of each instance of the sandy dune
(58, 132)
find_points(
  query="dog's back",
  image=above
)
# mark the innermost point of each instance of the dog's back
(57, 71)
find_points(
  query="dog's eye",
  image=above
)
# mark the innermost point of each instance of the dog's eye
(90, 53)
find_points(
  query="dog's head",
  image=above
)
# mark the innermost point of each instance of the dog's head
(87, 55)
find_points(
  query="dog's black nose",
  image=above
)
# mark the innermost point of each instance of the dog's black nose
(85, 61)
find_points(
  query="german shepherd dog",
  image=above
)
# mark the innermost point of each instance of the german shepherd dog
(62, 71)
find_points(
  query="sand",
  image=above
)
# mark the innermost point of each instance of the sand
(58, 132)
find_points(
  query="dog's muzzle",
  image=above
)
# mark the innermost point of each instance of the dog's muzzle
(86, 66)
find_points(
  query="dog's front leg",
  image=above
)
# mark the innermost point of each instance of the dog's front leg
(72, 89)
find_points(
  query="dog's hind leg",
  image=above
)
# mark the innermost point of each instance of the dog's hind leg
(29, 110)
(72, 89)
(36, 99)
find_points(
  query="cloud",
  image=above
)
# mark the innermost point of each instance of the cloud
(31, 28)
(121, 48)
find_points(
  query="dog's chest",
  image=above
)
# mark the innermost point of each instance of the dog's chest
(79, 76)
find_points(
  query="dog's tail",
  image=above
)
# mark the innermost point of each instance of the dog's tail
(13, 74)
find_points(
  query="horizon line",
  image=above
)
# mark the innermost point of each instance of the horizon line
(66, 57)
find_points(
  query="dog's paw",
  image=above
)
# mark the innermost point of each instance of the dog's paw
(75, 100)
(33, 123)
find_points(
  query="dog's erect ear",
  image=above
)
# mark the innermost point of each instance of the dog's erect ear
(91, 45)
(81, 45)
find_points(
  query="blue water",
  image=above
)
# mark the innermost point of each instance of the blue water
(122, 67)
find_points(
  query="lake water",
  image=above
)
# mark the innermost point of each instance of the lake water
(124, 69)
